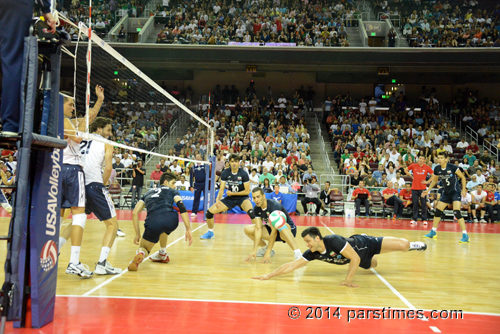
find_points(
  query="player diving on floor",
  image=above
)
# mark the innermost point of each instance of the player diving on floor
(358, 251)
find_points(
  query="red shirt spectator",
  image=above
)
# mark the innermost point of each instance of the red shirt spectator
(405, 194)
(359, 155)
(474, 148)
(358, 191)
(156, 174)
(256, 28)
(490, 196)
(390, 191)
(420, 171)
(292, 159)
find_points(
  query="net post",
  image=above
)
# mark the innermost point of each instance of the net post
(209, 194)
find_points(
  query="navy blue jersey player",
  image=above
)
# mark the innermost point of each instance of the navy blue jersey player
(161, 220)
(263, 208)
(237, 182)
(453, 189)
(358, 250)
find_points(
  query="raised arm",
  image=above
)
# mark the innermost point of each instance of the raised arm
(81, 123)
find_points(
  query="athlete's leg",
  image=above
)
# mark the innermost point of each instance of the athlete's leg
(374, 262)
(214, 209)
(144, 249)
(250, 232)
(65, 229)
(287, 236)
(163, 240)
(458, 214)
(391, 244)
(437, 217)
(79, 218)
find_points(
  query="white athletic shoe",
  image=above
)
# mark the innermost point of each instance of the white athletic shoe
(262, 251)
(79, 269)
(7, 207)
(193, 215)
(483, 221)
(105, 268)
(120, 233)
(413, 222)
(157, 257)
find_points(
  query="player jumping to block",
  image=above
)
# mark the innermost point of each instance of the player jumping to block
(263, 208)
(238, 187)
(448, 174)
(357, 250)
(161, 220)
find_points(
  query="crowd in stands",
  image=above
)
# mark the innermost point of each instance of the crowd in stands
(446, 23)
(375, 146)
(302, 23)
(271, 138)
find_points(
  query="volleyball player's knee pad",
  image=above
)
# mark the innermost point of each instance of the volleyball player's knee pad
(438, 213)
(473, 206)
(209, 215)
(251, 214)
(79, 220)
(458, 214)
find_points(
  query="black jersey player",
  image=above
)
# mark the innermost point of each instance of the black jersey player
(161, 220)
(449, 176)
(358, 251)
(263, 208)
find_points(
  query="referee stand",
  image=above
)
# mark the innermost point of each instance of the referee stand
(28, 293)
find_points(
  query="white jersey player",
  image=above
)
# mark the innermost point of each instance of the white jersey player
(73, 182)
(96, 156)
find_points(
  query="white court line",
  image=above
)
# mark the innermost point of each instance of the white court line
(86, 294)
(396, 292)
(435, 329)
(250, 302)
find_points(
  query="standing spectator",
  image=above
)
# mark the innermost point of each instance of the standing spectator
(420, 171)
(137, 182)
(391, 38)
(361, 195)
(197, 180)
(372, 104)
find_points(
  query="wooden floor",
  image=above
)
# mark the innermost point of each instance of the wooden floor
(448, 276)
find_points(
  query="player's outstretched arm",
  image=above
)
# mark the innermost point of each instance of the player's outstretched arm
(270, 245)
(185, 218)
(434, 181)
(135, 219)
(284, 269)
(257, 239)
(351, 254)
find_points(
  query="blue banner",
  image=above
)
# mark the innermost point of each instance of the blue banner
(289, 201)
(44, 223)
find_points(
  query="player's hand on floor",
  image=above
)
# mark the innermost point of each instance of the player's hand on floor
(349, 284)
(266, 258)
(189, 237)
(137, 238)
(262, 278)
(252, 256)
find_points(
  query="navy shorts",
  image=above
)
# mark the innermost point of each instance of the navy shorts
(278, 238)
(367, 247)
(232, 201)
(451, 197)
(162, 222)
(99, 202)
(73, 187)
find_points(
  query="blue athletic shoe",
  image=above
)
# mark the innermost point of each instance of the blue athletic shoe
(431, 235)
(208, 235)
(465, 238)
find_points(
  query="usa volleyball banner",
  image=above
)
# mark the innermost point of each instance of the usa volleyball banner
(44, 220)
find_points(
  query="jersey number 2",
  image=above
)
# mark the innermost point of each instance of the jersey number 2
(158, 191)
(85, 146)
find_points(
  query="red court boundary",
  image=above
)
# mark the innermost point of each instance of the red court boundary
(133, 315)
